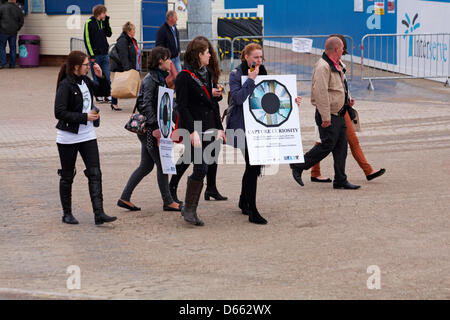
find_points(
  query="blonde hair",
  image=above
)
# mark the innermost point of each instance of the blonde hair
(128, 27)
(249, 49)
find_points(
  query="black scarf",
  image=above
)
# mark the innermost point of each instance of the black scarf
(245, 67)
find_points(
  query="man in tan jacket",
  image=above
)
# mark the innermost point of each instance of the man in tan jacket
(329, 94)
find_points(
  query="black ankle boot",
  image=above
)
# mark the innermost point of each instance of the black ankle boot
(189, 211)
(102, 217)
(69, 219)
(173, 192)
(243, 205)
(213, 193)
(255, 217)
(94, 176)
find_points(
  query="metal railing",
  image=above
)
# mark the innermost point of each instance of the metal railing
(405, 56)
(77, 44)
(279, 58)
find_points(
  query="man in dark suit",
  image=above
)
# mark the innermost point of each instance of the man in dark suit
(168, 37)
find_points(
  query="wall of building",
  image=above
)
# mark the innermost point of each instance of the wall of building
(56, 30)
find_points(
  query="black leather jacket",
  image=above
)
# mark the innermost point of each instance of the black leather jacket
(69, 102)
(147, 100)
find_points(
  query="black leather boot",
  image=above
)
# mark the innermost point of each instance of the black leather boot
(243, 205)
(173, 192)
(211, 192)
(65, 193)
(193, 191)
(211, 188)
(255, 217)
(94, 176)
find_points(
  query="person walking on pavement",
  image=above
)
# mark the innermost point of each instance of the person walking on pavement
(96, 31)
(329, 94)
(168, 37)
(77, 115)
(147, 104)
(129, 55)
(211, 185)
(11, 21)
(251, 66)
(352, 138)
(194, 92)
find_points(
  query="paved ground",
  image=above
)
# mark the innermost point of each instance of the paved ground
(318, 244)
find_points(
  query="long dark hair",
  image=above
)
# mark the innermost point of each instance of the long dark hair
(156, 54)
(193, 49)
(213, 62)
(75, 58)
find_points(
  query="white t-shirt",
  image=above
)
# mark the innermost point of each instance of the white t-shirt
(86, 132)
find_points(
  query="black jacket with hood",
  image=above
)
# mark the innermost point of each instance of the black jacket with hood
(95, 34)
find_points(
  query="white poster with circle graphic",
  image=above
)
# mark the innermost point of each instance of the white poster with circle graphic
(272, 121)
(165, 109)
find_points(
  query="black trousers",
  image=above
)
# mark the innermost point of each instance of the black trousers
(88, 151)
(250, 181)
(333, 140)
(181, 168)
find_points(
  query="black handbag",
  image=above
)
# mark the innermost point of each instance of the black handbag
(136, 123)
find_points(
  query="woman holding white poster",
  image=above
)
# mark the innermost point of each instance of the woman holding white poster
(147, 103)
(251, 66)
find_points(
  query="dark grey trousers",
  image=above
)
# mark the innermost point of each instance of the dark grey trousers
(333, 140)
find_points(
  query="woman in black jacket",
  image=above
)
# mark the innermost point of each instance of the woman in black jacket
(211, 187)
(194, 93)
(77, 117)
(147, 104)
(128, 55)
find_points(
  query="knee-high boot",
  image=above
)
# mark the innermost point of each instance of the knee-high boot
(193, 191)
(94, 176)
(65, 193)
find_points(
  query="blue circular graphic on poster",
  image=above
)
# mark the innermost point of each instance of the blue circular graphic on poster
(23, 52)
(270, 103)
(165, 115)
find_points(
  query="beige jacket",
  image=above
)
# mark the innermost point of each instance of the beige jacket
(327, 89)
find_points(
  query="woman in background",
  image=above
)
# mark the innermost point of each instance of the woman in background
(129, 55)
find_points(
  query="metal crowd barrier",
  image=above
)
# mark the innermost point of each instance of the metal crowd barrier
(405, 56)
(77, 44)
(279, 58)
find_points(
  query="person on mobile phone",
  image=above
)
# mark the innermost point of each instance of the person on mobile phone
(251, 66)
(96, 31)
(77, 116)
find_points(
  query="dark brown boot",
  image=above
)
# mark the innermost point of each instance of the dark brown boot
(193, 191)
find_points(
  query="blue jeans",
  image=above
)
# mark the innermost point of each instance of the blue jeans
(11, 39)
(177, 62)
(103, 62)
